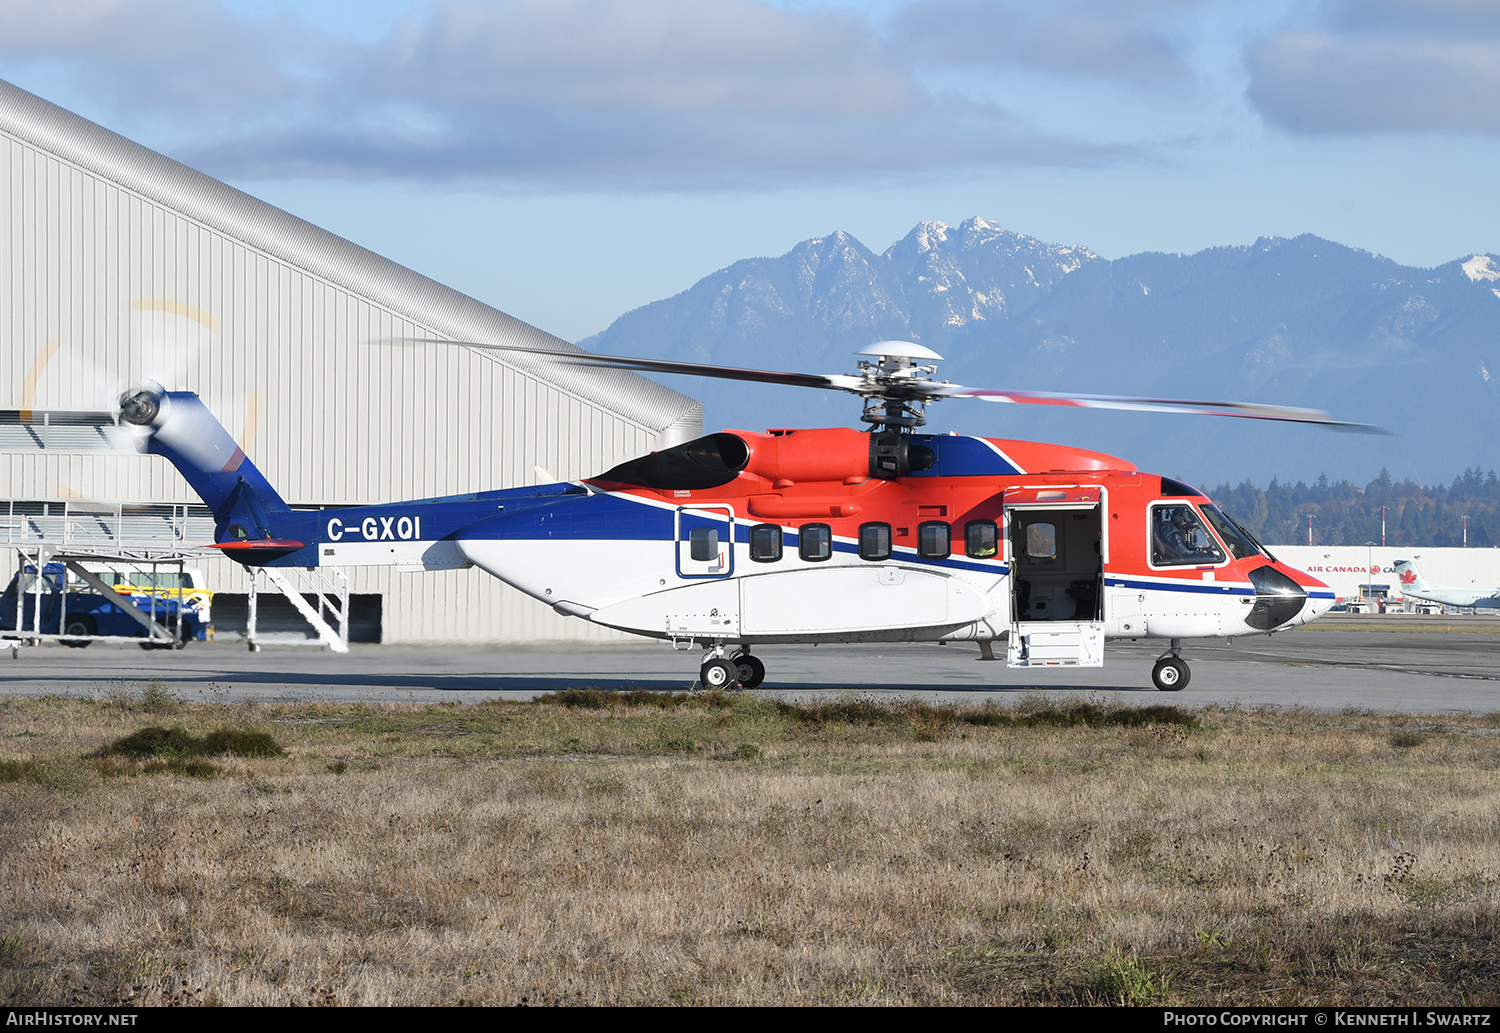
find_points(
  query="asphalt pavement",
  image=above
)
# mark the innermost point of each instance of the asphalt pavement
(1414, 667)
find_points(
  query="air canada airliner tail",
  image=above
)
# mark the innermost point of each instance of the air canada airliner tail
(1410, 577)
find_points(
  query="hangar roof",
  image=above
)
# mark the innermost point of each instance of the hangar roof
(299, 243)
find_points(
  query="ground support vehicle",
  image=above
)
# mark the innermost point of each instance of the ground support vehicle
(138, 578)
(79, 609)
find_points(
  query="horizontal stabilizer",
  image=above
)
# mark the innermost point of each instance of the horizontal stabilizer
(261, 545)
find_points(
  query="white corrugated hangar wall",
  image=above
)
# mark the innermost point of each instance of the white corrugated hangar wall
(118, 265)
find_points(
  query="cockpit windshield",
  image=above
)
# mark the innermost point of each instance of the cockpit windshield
(1241, 545)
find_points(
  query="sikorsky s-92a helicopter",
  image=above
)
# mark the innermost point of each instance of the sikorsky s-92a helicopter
(742, 539)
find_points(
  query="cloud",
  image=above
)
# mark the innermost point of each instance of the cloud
(632, 94)
(658, 55)
(1383, 66)
(1121, 40)
(174, 55)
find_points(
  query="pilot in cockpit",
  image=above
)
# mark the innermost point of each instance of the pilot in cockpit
(1179, 538)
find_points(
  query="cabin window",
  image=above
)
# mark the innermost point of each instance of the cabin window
(1179, 539)
(934, 540)
(765, 543)
(1041, 541)
(874, 541)
(703, 544)
(815, 542)
(981, 539)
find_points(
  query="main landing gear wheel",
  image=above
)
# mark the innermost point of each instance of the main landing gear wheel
(749, 671)
(718, 673)
(1170, 674)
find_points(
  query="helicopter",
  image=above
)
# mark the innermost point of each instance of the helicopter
(741, 539)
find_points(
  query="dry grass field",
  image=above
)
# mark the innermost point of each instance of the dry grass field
(598, 849)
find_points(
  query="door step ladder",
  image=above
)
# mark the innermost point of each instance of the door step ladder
(1056, 644)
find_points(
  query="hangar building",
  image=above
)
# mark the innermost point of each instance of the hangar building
(1355, 571)
(119, 265)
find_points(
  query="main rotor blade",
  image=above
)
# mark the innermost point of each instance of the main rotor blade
(695, 369)
(914, 388)
(1242, 410)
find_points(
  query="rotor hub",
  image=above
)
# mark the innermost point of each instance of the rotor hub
(896, 379)
(140, 407)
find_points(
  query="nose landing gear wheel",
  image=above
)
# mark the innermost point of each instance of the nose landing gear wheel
(718, 674)
(1170, 674)
(749, 671)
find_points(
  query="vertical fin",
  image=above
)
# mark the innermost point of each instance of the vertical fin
(178, 426)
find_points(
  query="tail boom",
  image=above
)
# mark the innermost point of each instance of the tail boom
(255, 526)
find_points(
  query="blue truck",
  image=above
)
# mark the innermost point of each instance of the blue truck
(87, 613)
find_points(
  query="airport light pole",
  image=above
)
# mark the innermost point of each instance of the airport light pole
(1309, 529)
(1382, 527)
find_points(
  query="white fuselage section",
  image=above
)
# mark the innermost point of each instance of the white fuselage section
(653, 587)
(1461, 597)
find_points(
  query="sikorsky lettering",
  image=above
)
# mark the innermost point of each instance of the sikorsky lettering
(377, 529)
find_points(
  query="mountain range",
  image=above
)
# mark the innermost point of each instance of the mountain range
(1300, 321)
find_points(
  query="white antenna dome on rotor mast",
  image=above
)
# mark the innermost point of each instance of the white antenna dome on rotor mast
(900, 350)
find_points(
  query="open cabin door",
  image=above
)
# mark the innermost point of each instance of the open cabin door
(1057, 555)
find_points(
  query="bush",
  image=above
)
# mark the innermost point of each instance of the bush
(158, 743)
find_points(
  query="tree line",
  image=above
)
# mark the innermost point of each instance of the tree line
(1344, 513)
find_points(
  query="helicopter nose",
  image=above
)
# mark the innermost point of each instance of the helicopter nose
(1279, 601)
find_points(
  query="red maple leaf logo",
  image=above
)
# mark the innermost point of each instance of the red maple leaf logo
(1408, 577)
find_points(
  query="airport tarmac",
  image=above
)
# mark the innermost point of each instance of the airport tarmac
(1414, 668)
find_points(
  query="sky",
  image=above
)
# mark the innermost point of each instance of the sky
(570, 160)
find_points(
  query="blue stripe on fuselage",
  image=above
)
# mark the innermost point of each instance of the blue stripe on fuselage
(1201, 587)
(998, 569)
(440, 518)
(595, 517)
